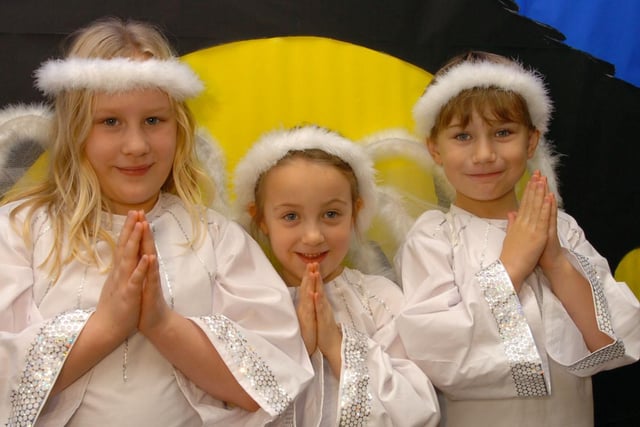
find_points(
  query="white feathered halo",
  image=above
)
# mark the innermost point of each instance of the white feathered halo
(274, 145)
(118, 75)
(484, 74)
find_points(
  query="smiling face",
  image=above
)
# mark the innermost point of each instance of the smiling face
(131, 147)
(483, 160)
(308, 216)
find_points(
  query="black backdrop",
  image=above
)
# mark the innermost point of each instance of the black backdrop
(593, 125)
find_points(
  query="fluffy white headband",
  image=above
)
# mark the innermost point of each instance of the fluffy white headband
(469, 75)
(273, 146)
(484, 74)
(118, 75)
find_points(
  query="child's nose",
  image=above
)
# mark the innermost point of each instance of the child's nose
(312, 235)
(135, 141)
(484, 150)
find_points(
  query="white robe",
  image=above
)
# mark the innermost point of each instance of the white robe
(226, 286)
(502, 359)
(378, 386)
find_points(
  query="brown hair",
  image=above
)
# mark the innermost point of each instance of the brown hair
(493, 102)
(315, 155)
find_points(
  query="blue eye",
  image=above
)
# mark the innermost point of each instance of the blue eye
(463, 137)
(111, 121)
(332, 214)
(153, 120)
(290, 217)
(503, 132)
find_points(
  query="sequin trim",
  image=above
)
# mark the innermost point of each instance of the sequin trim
(43, 363)
(603, 317)
(360, 291)
(250, 363)
(163, 269)
(355, 279)
(288, 417)
(601, 356)
(355, 401)
(524, 360)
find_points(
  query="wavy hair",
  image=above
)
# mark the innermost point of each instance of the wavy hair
(71, 193)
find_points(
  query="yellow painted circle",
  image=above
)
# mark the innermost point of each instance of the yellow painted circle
(629, 271)
(255, 86)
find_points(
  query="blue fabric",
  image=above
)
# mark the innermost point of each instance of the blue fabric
(606, 29)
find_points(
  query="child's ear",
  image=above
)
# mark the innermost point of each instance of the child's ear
(357, 207)
(253, 211)
(534, 138)
(432, 146)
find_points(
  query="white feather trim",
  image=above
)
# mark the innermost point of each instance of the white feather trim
(212, 158)
(394, 202)
(468, 75)
(546, 161)
(25, 122)
(274, 145)
(398, 143)
(118, 75)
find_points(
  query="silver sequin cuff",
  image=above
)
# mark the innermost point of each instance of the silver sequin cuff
(610, 352)
(355, 401)
(524, 361)
(603, 317)
(43, 363)
(250, 364)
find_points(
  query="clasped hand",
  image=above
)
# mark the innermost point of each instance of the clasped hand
(315, 315)
(532, 236)
(131, 297)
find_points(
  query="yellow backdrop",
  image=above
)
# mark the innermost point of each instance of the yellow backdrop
(255, 86)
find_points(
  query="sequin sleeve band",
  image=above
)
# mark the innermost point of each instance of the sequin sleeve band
(603, 317)
(524, 360)
(44, 359)
(355, 396)
(249, 363)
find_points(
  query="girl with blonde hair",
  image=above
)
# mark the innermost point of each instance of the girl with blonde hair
(125, 300)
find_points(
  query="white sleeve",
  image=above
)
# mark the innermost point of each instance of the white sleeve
(617, 311)
(392, 390)
(32, 349)
(253, 324)
(472, 338)
(378, 380)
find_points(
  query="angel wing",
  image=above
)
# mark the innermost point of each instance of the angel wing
(24, 135)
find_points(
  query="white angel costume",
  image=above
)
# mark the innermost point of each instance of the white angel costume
(378, 385)
(226, 286)
(502, 358)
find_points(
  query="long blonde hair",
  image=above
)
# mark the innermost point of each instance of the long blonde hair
(71, 193)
